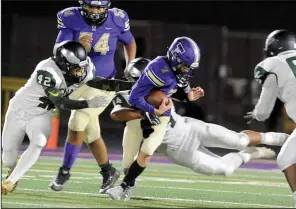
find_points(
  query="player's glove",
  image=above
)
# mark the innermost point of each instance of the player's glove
(146, 128)
(249, 117)
(150, 118)
(147, 122)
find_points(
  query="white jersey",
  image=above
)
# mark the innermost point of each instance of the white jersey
(32, 98)
(283, 66)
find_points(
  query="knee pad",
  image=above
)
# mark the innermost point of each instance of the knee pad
(78, 120)
(92, 130)
(39, 140)
(284, 160)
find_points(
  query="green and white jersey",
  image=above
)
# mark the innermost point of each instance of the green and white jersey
(32, 97)
(283, 68)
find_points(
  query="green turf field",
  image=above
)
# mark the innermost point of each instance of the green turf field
(161, 185)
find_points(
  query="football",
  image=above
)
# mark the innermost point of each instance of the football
(155, 98)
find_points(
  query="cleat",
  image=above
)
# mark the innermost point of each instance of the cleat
(8, 174)
(256, 153)
(115, 193)
(58, 183)
(109, 179)
(6, 187)
(264, 152)
(119, 193)
(127, 192)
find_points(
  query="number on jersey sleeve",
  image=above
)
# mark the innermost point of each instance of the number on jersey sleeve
(45, 79)
(292, 63)
(260, 74)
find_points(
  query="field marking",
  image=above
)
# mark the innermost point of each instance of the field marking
(277, 176)
(165, 198)
(178, 180)
(195, 180)
(159, 187)
(42, 205)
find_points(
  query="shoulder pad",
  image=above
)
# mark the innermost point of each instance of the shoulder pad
(264, 68)
(120, 18)
(67, 17)
(48, 78)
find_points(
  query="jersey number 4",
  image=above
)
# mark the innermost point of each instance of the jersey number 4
(102, 44)
(292, 63)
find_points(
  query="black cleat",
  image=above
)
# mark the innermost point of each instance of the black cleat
(109, 179)
(58, 183)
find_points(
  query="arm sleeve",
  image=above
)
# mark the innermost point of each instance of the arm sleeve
(267, 98)
(61, 102)
(110, 84)
(148, 81)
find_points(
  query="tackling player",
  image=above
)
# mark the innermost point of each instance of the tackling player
(186, 139)
(98, 27)
(29, 111)
(277, 75)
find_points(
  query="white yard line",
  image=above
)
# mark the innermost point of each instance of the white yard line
(41, 205)
(164, 198)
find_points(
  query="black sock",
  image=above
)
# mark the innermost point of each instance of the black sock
(106, 167)
(133, 172)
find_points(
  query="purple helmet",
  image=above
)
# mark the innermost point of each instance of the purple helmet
(184, 57)
(93, 18)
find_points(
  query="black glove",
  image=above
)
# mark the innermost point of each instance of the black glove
(150, 118)
(147, 123)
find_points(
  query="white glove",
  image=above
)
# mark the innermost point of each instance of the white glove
(98, 101)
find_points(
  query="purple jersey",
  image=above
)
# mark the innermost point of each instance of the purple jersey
(157, 75)
(72, 27)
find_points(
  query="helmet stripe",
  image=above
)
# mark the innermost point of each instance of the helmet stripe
(195, 49)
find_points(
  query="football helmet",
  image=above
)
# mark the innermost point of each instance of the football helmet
(184, 58)
(279, 41)
(71, 58)
(94, 19)
(136, 67)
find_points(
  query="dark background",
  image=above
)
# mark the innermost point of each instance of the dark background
(230, 34)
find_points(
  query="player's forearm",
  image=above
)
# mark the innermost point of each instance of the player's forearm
(110, 84)
(126, 114)
(141, 104)
(130, 51)
(68, 104)
(61, 102)
(267, 99)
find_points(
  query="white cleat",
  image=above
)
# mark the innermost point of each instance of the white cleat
(127, 193)
(115, 193)
(253, 152)
(263, 152)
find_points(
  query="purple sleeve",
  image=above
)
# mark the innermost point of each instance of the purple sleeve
(139, 91)
(65, 34)
(126, 37)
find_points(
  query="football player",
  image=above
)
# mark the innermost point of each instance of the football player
(98, 27)
(277, 75)
(186, 139)
(165, 73)
(29, 111)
